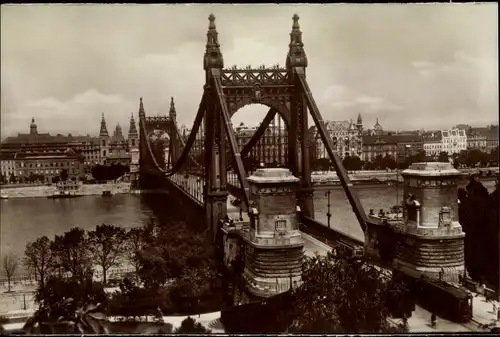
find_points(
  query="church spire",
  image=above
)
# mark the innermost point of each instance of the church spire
(172, 112)
(141, 109)
(132, 130)
(213, 56)
(360, 120)
(296, 55)
(104, 130)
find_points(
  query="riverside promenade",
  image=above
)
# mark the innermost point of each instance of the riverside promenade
(40, 191)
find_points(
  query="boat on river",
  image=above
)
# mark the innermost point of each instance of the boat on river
(4, 197)
(106, 193)
(67, 189)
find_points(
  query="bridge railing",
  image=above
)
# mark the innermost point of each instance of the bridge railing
(330, 236)
(190, 184)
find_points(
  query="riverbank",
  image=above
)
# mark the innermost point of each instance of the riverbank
(45, 190)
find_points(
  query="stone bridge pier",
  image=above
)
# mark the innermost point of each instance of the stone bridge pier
(270, 243)
(427, 237)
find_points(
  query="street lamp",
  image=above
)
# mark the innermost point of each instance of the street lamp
(198, 183)
(328, 214)
(186, 177)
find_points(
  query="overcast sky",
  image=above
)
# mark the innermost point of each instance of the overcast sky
(413, 66)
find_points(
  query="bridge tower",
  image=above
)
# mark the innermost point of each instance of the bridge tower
(428, 238)
(174, 143)
(103, 140)
(215, 158)
(298, 161)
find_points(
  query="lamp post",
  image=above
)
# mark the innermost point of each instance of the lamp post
(186, 177)
(328, 214)
(198, 183)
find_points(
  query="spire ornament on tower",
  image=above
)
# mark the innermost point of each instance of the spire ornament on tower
(104, 130)
(172, 112)
(213, 56)
(296, 55)
(142, 113)
(132, 130)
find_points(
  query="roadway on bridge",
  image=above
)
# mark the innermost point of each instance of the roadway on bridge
(420, 319)
(194, 187)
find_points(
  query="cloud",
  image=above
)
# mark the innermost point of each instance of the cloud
(369, 59)
(369, 100)
(83, 110)
(422, 64)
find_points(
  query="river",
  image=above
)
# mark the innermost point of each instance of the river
(25, 219)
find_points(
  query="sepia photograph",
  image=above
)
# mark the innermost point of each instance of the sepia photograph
(249, 169)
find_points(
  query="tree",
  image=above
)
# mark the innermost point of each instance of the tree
(352, 163)
(443, 157)
(63, 174)
(133, 244)
(342, 294)
(106, 242)
(69, 306)
(71, 253)
(10, 266)
(321, 164)
(189, 325)
(38, 258)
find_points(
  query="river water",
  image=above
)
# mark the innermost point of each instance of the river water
(25, 219)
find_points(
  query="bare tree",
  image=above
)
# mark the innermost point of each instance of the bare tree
(10, 266)
(107, 246)
(38, 258)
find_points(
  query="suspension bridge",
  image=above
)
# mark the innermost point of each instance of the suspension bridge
(207, 165)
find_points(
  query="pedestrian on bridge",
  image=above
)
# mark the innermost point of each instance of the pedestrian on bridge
(433, 320)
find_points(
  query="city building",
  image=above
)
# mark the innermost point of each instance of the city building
(382, 145)
(376, 130)
(116, 149)
(272, 146)
(49, 165)
(398, 146)
(476, 139)
(345, 135)
(453, 141)
(432, 143)
(7, 165)
(34, 143)
(484, 139)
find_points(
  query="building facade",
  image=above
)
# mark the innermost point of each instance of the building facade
(49, 165)
(272, 146)
(432, 143)
(43, 144)
(346, 136)
(374, 146)
(116, 149)
(7, 166)
(453, 141)
(396, 146)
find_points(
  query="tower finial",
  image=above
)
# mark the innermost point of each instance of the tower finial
(211, 19)
(103, 132)
(172, 112)
(296, 55)
(141, 108)
(295, 19)
(213, 56)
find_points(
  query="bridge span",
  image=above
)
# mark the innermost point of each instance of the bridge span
(207, 165)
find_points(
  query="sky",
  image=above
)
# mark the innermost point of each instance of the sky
(412, 66)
